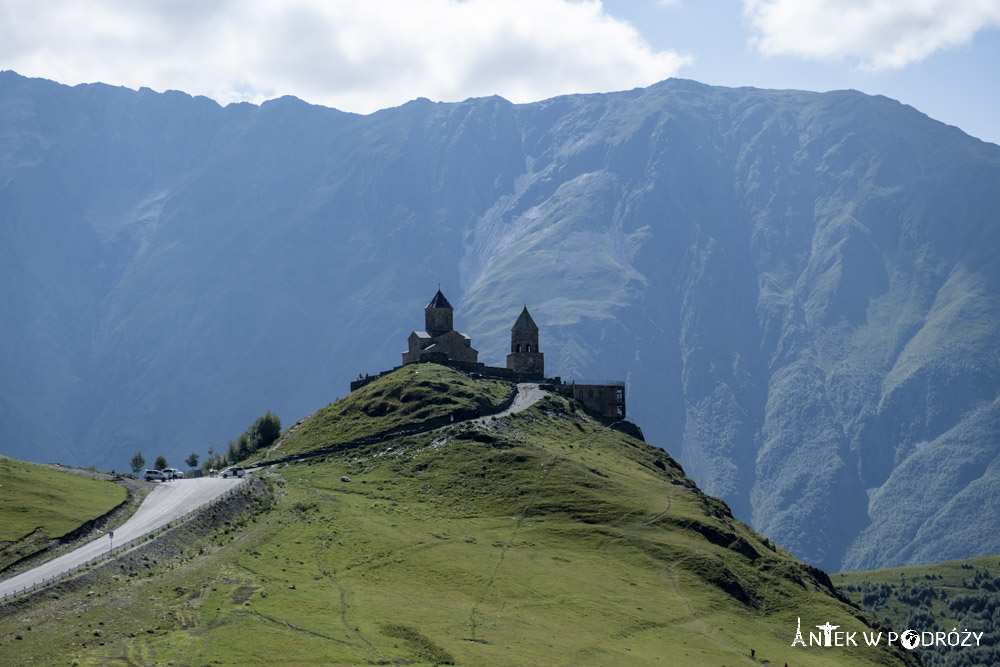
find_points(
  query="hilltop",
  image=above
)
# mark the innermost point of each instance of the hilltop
(425, 394)
(543, 537)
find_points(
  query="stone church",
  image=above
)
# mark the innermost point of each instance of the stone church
(440, 342)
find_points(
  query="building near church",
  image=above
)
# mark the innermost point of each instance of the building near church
(607, 400)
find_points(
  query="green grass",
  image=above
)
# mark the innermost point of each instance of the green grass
(39, 503)
(413, 393)
(542, 538)
(960, 594)
(953, 578)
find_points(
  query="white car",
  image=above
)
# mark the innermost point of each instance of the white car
(232, 471)
(172, 473)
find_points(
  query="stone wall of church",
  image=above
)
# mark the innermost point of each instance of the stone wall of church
(527, 362)
(455, 346)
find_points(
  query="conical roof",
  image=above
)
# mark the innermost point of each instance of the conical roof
(524, 322)
(438, 301)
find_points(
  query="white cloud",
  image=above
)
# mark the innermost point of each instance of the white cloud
(873, 34)
(356, 56)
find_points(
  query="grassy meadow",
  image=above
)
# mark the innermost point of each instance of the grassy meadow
(39, 503)
(544, 538)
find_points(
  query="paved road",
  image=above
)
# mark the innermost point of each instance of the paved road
(167, 502)
(528, 393)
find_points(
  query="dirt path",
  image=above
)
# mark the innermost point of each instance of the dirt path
(286, 436)
(344, 607)
(661, 514)
(474, 614)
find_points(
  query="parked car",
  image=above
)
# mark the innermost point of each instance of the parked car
(153, 476)
(233, 471)
(172, 473)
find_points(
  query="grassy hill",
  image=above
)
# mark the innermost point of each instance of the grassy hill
(406, 397)
(39, 503)
(543, 538)
(962, 594)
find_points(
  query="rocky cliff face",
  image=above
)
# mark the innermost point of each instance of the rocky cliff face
(802, 290)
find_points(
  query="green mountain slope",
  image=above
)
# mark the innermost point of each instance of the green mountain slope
(39, 503)
(544, 537)
(961, 595)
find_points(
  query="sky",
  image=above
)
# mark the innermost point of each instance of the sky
(938, 56)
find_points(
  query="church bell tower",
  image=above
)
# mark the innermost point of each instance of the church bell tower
(524, 356)
(438, 315)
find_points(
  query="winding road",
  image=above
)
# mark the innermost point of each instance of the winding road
(528, 393)
(167, 502)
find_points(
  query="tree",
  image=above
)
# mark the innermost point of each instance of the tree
(264, 431)
(239, 448)
(160, 463)
(192, 460)
(137, 462)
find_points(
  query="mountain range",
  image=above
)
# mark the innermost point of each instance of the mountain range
(801, 290)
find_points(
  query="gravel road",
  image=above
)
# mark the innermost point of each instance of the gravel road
(167, 502)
